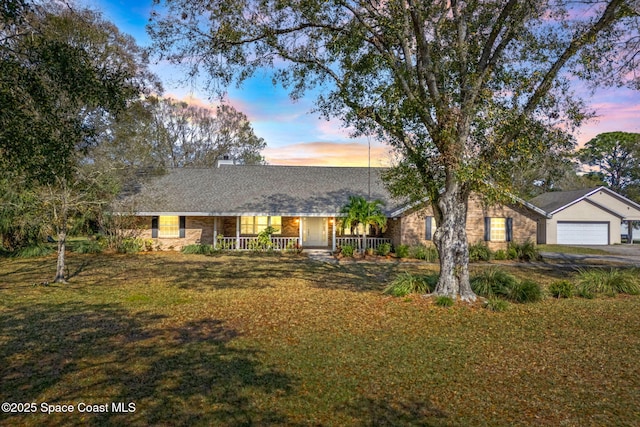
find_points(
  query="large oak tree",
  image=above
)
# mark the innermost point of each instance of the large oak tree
(462, 89)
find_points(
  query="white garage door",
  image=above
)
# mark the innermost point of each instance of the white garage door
(583, 233)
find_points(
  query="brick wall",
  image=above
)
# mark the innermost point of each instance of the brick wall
(412, 225)
(197, 230)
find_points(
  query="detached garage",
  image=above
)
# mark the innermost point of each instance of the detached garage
(584, 217)
(583, 233)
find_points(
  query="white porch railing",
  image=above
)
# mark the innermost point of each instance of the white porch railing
(251, 243)
(372, 242)
(284, 243)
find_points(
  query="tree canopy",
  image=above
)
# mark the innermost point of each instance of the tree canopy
(616, 159)
(62, 71)
(156, 133)
(462, 89)
(193, 136)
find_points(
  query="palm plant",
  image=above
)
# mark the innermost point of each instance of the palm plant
(361, 211)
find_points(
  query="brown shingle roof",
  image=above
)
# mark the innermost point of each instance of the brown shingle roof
(260, 190)
(550, 202)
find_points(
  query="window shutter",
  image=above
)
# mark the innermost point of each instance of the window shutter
(154, 227)
(428, 235)
(487, 228)
(183, 223)
(509, 231)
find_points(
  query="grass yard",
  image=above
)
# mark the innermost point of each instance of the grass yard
(577, 250)
(242, 340)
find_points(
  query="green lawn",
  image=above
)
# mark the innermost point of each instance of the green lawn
(236, 340)
(577, 250)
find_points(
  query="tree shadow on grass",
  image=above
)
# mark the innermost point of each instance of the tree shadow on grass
(390, 412)
(260, 272)
(175, 374)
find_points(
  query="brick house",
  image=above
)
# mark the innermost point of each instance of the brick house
(231, 204)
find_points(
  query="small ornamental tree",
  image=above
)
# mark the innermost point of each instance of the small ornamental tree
(360, 211)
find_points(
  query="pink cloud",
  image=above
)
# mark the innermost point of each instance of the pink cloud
(611, 117)
(191, 99)
(328, 154)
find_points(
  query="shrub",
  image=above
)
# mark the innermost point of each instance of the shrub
(582, 292)
(347, 250)
(221, 244)
(148, 245)
(479, 252)
(500, 255)
(198, 249)
(263, 240)
(496, 304)
(419, 252)
(609, 282)
(293, 248)
(492, 282)
(526, 251)
(406, 283)
(89, 247)
(130, 245)
(444, 301)
(561, 289)
(402, 251)
(34, 251)
(512, 253)
(524, 291)
(384, 249)
(426, 253)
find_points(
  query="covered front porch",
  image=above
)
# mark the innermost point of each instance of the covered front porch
(292, 232)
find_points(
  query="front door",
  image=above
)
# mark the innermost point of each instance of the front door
(314, 231)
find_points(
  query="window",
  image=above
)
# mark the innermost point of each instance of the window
(256, 224)
(498, 230)
(276, 222)
(169, 226)
(430, 227)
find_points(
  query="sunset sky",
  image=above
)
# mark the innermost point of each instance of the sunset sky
(295, 136)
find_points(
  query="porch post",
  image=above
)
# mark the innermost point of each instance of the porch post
(630, 232)
(215, 232)
(300, 230)
(237, 232)
(333, 234)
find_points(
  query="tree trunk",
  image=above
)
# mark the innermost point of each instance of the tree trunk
(451, 241)
(363, 250)
(62, 234)
(62, 245)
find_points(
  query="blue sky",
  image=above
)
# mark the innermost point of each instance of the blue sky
(294, 135)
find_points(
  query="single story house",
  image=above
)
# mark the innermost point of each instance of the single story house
(230, 204)
(585, 217)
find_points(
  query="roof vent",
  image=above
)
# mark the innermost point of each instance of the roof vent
(225, 160)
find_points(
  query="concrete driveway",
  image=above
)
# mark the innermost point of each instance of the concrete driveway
(617, 254)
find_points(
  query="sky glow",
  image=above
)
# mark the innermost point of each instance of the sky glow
(296, 136)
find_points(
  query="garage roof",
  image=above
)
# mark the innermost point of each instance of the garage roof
(556, 201)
